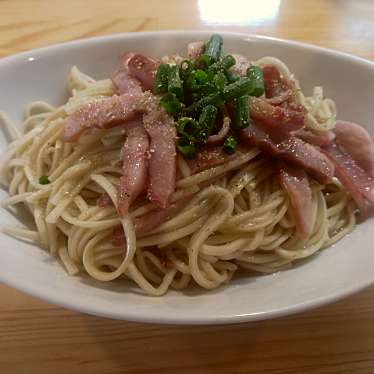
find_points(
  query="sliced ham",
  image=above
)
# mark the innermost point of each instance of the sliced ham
(207, 156)
(355, 180)
(282, 98)
(195, 49)
(137, 73)
(356, 141)
(294, 182)
(162, 164)
(104, 201)
(272, 81)
(241, 65)
(149, 221)
(101, 114)
(275, 119)
(124, 83)
(293, 150)
(277, 89)
(123, 80)
(143, 69)
(321, 139)
(162, 152)
(118, 237)
(135, 166)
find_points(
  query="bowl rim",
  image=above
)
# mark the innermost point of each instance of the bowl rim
(181, 319)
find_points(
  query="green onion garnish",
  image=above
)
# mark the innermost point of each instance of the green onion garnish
(174, 81)
(186, 148)
(44, 179)
(211, 99)
(197, 79)
(187, 127)
(207, 121)
(161, 79)
(186, 67)
(227, 62)
(194, 91)
(213, 47)
(220, 81)
(171, 104)
(230, 145)
(202, 62)
(241, 113)
(255, 74)
(237, 89)
(231, 78)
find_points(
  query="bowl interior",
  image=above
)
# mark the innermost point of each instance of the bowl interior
(331, 274)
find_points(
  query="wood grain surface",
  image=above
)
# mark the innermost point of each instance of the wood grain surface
(36, 337)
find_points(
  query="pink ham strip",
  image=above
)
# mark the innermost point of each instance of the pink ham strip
(118, 236)
(149, 221)
(356, 141)
(162, 164)
(104, 201)
(292, 150)
(135, 166)
(283, 97)
(123, 81)
(278, 90)
(195, 49)
(353, 177)
(207, 157)
(241, 65)
(101, 114)
(295, 183)
(143, 69)
(274, 84)
(137, 73)
(275, 119)
(159, 126)
(319, 139)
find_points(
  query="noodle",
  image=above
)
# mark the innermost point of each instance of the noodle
(237, 215)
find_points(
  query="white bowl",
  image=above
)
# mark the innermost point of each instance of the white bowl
(330, 275)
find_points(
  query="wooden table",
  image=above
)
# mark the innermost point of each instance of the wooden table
(36, 337)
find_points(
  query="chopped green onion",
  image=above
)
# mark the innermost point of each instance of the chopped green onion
(200, 76)
(241, 113)
(255, 74)
(237, 89)
(187, 127)
(211, 99)
(227, 62)
(211, 71)
(202, 62)
(174, 81)
(230, 145)
(161, 79)
(171, 104)
(213, 47)
(207, 121)
(185, 68)
(220, 81)
(197, 79)
(186, 148)
(44, 179)
(231, 78)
